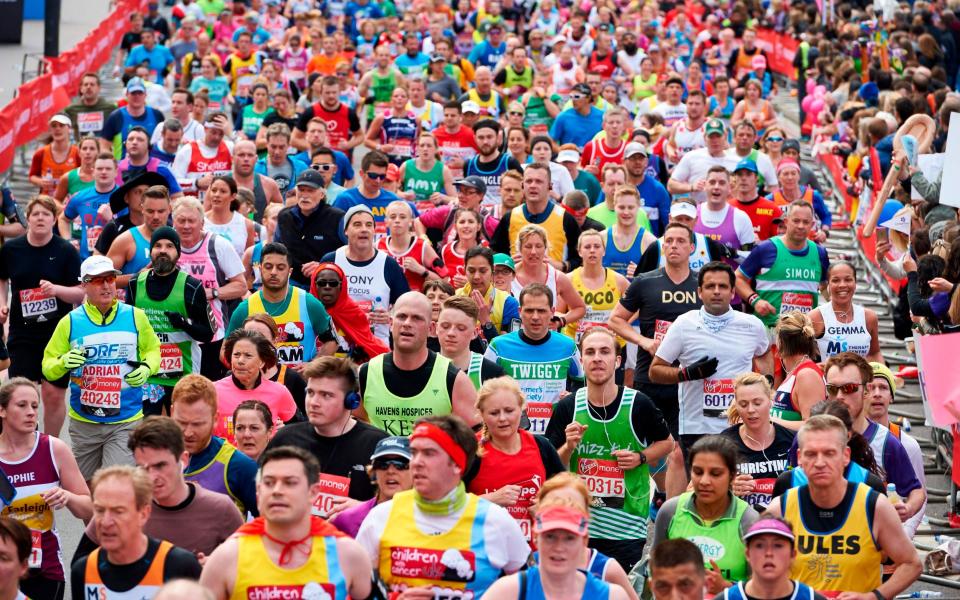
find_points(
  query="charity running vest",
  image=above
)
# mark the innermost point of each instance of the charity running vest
(400, 131)
(621, 499)
(178, 351)
(701, 253)
(213, 475)
(618, 258)
(489, 107)
(490, 178)
(202, 263)
(296, 340)
(600, 302)
(454, 564)
(422, 183)
(784, 406)
(395, 414)
(524, 469)
(720, 542)
(33, 475)
(382, 88)
(725, 232)
(98, 393)
(791, 283)
(415, 251)
(499, 299)
(553, 224)
(475, 370)
(843, 337)
(94, 587)
(367, 286)
(845, 557)
(141, 253)
(524, 78)
(321, 576)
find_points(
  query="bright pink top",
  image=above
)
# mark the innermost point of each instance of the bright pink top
(273, 394)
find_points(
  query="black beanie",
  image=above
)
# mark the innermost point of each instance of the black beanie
(166, 233)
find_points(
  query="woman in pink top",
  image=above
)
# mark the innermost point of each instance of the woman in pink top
(248, 353)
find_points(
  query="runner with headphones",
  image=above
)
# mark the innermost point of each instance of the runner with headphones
(341, 443)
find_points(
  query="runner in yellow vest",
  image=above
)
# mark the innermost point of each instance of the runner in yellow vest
(288, 551)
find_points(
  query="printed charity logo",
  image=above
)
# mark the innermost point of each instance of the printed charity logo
(308, 591)
(603, 477)
(437, 565)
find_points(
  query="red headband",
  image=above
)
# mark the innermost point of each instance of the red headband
(442, 438)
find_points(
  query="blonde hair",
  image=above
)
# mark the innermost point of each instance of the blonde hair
(141, 483)
(745, 380)
(626, 190)
(491, 387)
(592, 233)
(560, 481)
(795, 334)
(531, 229)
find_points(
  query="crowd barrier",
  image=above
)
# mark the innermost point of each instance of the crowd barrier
(25, 117)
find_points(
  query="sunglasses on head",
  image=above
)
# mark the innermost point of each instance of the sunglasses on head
(331, 283)
(376, 176)
(846, 388)
(385, 463)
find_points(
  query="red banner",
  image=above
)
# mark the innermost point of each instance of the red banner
(780, 50)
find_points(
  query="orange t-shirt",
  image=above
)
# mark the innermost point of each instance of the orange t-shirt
(43, 162)
(327, 65)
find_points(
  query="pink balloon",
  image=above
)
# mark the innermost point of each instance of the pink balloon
(811, 84)
(807, 101)
(820, 89)
(816, 106)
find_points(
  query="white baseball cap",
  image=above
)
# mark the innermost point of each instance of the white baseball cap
(683, 209)
(62, 119)
(94, 266)
(568, 156)
(470, 107)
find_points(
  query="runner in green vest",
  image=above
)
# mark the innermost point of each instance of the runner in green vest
(542, 107)
(376, 86)
(608, 435)
(176, 306)
(428, 179)
(413, 381)
(457, 332)
(710, 516)
(789, 269)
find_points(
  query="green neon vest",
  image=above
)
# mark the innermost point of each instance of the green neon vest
(792, 283)
(720, 541)
(396, 415)
(178, 351)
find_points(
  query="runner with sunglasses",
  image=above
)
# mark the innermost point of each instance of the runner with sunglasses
(389, 471)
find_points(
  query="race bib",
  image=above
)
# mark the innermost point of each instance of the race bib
(36, 549)
(100, 389)
(332, 488)
(171, 360)
(93, 234)
(717, 396)
(539, 129)
(660, 329)
(35, 304)
(521, 510)
(90, 122)
(602, 476)
(800, 301)
(403, 147)
(539, 414)
(762, 492)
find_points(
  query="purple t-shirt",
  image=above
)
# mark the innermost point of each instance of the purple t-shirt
(895, 461)
(349, 520)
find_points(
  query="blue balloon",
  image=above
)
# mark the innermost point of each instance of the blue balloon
(889, 209)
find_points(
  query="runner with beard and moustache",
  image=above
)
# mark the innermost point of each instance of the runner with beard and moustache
(688, 133)
(490, 163)
(265, 190)
(176, 306)
(130, 252)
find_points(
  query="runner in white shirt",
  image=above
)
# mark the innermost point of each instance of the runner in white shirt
(690, 174)
(673, 110)
(744, 137)
(215, 155)
(181, 109)
(714, 345)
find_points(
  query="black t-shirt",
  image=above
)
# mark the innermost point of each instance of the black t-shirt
(179, 564)
(129, 40)
(346, 455)
(112, 231)
(763, 465)
(658, 301)
(648, 423)
(201, 318)
(275, 118)
(407, 384)
(297, 387)
(24, 265)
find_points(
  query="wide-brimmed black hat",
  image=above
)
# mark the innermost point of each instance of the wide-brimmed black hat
(118, 199)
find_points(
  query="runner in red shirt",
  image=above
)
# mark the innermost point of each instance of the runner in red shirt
(764, 214)
(457, 142)
(415, 255)
(608, 145)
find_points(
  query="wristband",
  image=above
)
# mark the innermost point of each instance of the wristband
(753, 300)
(879, 595)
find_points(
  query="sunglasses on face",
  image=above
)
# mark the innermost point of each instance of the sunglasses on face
(321, 167)
(774, 138)
(384, 464)
(515, 113)
(577, 96)
(376, 176)
(330, 283)
(108, 279)
(846, 388)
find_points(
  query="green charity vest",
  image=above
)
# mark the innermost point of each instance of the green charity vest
(524, 78)
(396, 415)
(423, 183)
(474, 370)
(621, 498)
(178, 351)
(792, 283)
(719, 541)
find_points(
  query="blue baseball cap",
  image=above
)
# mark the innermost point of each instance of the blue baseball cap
(136, 85)
(392, 446)
(746, 165)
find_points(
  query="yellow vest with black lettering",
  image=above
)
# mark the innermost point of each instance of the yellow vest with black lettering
(553, 224)
(600, 303)
(845, 559)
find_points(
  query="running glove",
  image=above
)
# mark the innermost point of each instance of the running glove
(703, 368)
(73, 359)
(138, 376)
(176, 319)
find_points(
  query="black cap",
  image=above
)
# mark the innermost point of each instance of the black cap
(311, 178)
(437, 57)
(583, 88)
(118, 199)
(474, 182)
(790, 144)
(165, 233)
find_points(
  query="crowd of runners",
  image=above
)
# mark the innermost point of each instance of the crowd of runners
(504, 298)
